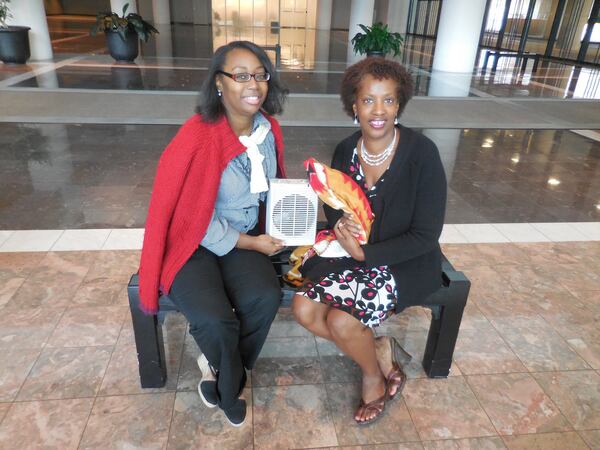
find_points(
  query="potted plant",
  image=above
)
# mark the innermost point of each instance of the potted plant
(14, 40)
(122, 33)
(377, 41)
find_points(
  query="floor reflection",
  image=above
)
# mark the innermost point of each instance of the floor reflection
(98, 176)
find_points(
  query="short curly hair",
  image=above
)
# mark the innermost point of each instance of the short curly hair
(378, 68)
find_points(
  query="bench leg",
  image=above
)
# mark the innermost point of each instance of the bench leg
(148, 341)
(443, 332)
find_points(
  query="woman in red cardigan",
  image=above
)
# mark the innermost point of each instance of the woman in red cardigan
(201, 243)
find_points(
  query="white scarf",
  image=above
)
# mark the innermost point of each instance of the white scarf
(258, 180)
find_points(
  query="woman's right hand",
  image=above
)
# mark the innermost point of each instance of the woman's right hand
(266, 244)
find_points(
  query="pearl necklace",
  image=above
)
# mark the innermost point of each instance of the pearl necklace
(377, 159)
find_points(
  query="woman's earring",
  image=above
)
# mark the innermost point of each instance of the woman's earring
(395, 120)
(355, 119)
(219, 92)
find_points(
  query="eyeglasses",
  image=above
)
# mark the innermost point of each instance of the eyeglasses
(245, 77)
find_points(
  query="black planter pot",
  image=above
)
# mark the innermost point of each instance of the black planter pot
(376, 54)
(122, 50)
(14, 45)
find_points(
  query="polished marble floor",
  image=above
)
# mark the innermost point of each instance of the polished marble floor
(526, 371)
(100, 176)
(176, 60)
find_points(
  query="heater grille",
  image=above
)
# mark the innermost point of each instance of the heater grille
(294, 215)
(292, 211)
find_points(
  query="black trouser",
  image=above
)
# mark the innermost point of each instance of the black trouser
(230, 303)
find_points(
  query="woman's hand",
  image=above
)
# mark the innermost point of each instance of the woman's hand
(346, 230)
(267, 244)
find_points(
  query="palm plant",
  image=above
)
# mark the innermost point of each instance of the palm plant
(377, 40)
(110, 21)
(4, 13)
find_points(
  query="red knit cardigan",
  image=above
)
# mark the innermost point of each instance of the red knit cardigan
(183, 199)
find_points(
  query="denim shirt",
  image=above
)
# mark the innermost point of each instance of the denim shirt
(236, 208)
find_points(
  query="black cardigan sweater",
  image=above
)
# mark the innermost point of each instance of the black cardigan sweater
(409, 214)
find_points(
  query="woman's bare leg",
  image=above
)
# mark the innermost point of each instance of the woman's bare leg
(311, 315)
(358, 342)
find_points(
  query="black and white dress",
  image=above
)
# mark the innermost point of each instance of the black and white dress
(369, 294)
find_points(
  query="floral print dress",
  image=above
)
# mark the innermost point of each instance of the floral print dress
(369, 294)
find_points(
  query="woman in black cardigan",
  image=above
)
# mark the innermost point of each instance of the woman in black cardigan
(401, 173)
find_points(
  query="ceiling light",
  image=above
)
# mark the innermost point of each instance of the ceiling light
(553, 181)
(486, 145)
(515, 159)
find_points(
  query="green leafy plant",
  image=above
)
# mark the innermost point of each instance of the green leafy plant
(377, 39)
(132, 22)
(4, 13)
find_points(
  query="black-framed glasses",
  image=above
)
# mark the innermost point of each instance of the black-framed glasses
(245, 76)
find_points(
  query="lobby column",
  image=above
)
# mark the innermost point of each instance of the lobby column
(31, 13)
(161, 12)
(361, 12)
(458, 35)
(323, 31)
(117, 6)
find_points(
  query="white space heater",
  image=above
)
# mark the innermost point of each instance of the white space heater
(292, 211)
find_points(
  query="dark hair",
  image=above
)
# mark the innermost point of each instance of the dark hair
(378, 68)
(210, 105)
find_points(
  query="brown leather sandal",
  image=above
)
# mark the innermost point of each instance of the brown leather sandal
(378, 406)
(396, 378)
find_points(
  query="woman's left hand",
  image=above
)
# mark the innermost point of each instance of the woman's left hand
(345, 236)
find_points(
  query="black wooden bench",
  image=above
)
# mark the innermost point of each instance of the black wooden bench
(447, 305)
(497, 54)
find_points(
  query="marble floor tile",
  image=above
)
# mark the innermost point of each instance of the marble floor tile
(114, 264)
(15, 364)
(590, 230)
(285, 361)
(483, 351)
(394, 426)
(124, 239)
(19, 265)
(576, 393)
(4, 407)
(81, 240)
(54, 281)
(285, 325)
(339, 369)
(566, 313)
(194, 425)
(66, 373)
(546, 441)
(8, 288)
(516, 404)
(587, 344)
(445, 409)
(552, 253)
(4, 235)
(502, 307)
(529, 279)
(292, 417)
(189, 373)
(480, 232)
(129, 421)
(484, 443)
(85, 327)
(539, 346)
(560, 232)
(54, 424)
(501, 254)
(101, 291)
(591, 438)
(577, 276)
(30, 241)
(27, 328)
(450, 235)
(521, 232)
(123, 376)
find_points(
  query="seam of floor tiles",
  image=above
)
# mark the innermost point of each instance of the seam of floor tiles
(131, 238)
